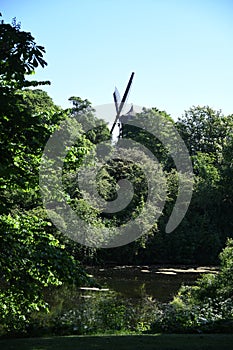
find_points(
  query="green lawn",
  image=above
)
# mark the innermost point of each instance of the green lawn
(124, 342)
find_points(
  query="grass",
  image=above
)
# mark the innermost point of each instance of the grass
(124, 342)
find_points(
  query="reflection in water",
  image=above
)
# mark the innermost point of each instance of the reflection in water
(128, 300)
(160, 288)
(131, 282)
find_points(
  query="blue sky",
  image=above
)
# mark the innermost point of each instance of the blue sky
(181, 51)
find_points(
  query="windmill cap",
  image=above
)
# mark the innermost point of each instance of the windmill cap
(128, 116)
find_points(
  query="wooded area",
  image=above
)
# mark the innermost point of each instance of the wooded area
(34, 253)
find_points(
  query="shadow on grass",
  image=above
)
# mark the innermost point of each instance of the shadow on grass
(125, 342)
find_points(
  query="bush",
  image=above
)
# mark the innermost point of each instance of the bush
(205, 307)
(93, 312)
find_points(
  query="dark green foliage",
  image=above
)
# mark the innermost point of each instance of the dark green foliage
(92, 312)
(158, 123)
(205, 130)
(31, 257)
(205, 307)
(19, 56)
(208, 222)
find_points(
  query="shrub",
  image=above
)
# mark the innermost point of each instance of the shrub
(205, 307)
(97, 312)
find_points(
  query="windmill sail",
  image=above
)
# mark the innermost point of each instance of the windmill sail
(117, 99)
(120, 107)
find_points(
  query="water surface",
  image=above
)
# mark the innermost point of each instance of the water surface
(159, 283)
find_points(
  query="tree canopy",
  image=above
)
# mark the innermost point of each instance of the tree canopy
(31, 256)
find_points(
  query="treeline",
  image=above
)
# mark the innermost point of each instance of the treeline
(208, 222)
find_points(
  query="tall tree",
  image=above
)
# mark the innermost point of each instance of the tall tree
(205, 130)
(152, 123)
(31, 257)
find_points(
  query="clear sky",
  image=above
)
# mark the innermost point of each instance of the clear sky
(181, 51)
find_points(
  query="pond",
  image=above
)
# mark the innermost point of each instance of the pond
(160, 283)
(128, 299)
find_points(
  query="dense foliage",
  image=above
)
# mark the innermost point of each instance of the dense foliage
(35, 255)
(207, 224)
(32, 257)
(205, 307)
(93, 312)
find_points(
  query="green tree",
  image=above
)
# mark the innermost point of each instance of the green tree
(96, 129)
(151, 124)
(31, 257)
(205, 130)
(204, 307)
(23, 129)
(218, 285)
(26, 123)
(197, 240)
(19, 56)
(226, 188)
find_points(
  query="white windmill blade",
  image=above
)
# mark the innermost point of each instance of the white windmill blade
(117, 99)
(119, 108)
(118, 96)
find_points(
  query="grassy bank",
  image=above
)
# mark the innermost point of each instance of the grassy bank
(126, 342)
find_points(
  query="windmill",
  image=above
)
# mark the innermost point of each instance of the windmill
(119, 104)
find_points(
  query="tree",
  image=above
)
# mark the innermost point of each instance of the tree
(215, 286)
(205, 130)
(142, 200)
(26, 123)
(226, 187)
(22, 133)
(96, 129)
(204, 307)
(19, 56)
(31, 257)
(152, 123)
